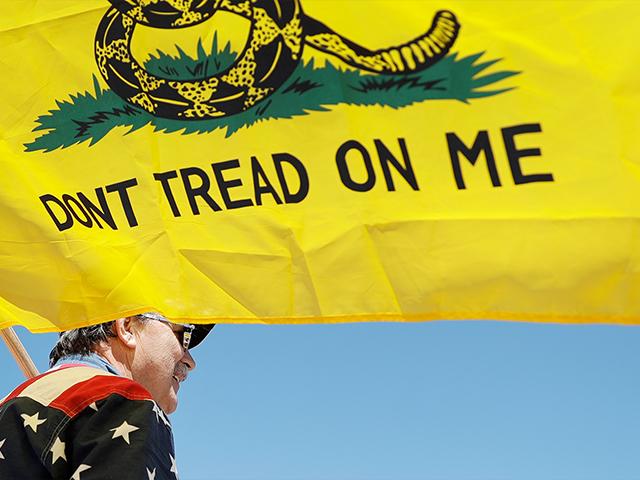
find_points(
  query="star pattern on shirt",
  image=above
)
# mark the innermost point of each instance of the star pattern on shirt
(57, 451)
(79, 470)
(160, 415)
(123, 431)
(29, 445)
(33, 421)
(174, 468)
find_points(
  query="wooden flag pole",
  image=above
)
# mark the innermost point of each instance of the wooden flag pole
(19, 352)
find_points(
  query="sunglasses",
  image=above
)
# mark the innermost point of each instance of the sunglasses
(183, 336)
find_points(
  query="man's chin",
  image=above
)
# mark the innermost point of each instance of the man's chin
(169, 402)
(170, 405)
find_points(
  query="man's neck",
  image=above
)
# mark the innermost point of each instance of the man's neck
(108, 355)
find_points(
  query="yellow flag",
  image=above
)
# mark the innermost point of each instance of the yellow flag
(298, 161)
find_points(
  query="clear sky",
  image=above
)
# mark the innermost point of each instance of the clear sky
(440, 400)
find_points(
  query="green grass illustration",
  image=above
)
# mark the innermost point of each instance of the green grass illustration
(89, 116)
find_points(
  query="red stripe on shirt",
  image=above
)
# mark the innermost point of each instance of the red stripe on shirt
(78, 397)
(20, 388)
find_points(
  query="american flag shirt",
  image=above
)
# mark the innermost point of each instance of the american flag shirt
(80, 422)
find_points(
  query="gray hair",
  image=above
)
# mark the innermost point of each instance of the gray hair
(81, 341)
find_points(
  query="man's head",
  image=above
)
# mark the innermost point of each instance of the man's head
(146, 348)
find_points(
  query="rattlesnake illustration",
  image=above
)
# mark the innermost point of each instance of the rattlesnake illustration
(279, 31)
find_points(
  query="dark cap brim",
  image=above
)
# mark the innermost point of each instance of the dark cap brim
(199, 334)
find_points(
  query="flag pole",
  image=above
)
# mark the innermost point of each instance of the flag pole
(19, 352)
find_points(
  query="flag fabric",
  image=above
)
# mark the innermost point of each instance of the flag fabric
(82, 423)
(314, 161)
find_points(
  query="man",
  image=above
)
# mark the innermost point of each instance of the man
(99, 412)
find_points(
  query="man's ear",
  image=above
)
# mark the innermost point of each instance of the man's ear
(123, 328)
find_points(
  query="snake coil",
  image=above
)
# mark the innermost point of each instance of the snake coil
(279, 31)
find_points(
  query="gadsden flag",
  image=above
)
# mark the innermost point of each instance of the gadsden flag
(292, 161)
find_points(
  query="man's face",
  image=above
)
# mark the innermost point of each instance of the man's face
(160, 362)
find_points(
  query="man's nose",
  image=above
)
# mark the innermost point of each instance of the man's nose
(188, 360)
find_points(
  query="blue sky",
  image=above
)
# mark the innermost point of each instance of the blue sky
(436, 400)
